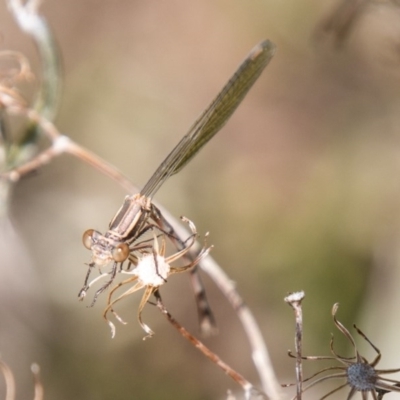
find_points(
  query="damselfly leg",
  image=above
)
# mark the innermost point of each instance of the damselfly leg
(123, 252)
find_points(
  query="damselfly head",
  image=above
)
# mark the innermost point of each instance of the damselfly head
(105, 249)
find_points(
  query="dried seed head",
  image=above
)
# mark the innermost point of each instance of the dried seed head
(361, 377)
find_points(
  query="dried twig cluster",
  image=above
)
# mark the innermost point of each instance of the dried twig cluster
(360, 375)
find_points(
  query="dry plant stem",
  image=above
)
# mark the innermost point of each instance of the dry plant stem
(9, 379)
(294, 300)
(260, 354)
(39, 392)
(10, 382)
(101, 165)
(248, 388)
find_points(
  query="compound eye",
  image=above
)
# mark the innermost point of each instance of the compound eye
(121, 252)
(87, 238)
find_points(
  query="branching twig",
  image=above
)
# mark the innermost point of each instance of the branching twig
(59, 144)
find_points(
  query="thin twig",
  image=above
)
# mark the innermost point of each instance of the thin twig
(248, 388)
(260, 354)
(59, 144)
(294, 300)
(39, 391)
(9, 379)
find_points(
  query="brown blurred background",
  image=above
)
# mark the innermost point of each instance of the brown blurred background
(301, 189)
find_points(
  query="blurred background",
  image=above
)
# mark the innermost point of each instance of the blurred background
(299, 191)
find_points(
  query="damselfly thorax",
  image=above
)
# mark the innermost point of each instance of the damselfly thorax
(126, 226)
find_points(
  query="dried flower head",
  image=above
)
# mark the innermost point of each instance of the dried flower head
(360, 375)
(14, 68)
(152, 268)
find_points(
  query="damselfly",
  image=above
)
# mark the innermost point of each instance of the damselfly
(138, 214)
